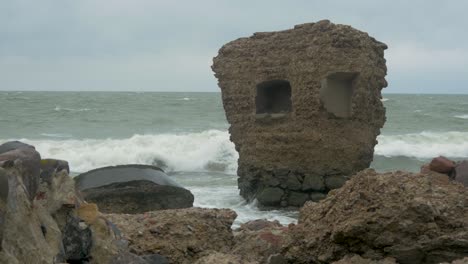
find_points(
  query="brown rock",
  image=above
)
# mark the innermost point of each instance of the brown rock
(305, 101)
(181, 235)
(461, 261)
(223, 258)
(413, 218)
(356, 259)
(88, 212)
(259, 239)
(425, 169)
(441, 164)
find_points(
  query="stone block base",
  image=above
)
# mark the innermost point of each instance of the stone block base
(285, 188)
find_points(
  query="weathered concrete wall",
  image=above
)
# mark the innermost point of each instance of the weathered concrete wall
(292, 156)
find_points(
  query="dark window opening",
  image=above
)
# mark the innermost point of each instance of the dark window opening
(336, 93)
(273, 97)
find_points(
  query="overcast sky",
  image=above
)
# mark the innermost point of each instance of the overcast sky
(151, 45)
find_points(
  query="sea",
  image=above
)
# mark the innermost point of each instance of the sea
(186, 134)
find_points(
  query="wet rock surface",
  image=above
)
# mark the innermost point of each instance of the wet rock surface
(413, 218)
(132, 189)
(304, 108)
(135, 197)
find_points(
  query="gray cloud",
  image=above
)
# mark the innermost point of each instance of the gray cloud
(168, 45)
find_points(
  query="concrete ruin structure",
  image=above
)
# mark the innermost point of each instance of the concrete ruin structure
(304, 108)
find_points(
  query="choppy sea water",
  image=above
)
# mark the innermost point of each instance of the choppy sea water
(186, 134)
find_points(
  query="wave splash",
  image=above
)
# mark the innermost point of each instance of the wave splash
(212, 150)
(424, 145)
(206, 151)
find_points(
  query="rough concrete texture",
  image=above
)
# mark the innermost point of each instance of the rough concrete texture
(325, 131)
(413, 218)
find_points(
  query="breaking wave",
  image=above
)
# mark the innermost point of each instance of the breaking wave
(209, 150)
(462, 116)
(212, 150)
(424, 145)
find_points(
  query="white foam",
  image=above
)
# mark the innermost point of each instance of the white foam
(212, 150)
(53, 135)
(462, 116)
(424, 145)
(181, 152)
(58, 109)
(384, 99)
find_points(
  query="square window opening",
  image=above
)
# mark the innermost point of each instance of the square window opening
(336, 93)
(273, 97)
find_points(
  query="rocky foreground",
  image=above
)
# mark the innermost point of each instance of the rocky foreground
(396, 217)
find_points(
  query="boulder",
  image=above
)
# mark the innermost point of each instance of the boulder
(42, 218)
(27, 159)
(461, 172)
(49, 166)
(132, 189)
(270, 196)
(313, 182)
(442, 165)
(181, 235)
(413, 218)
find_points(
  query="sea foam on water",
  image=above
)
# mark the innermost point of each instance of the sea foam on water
(211, 150)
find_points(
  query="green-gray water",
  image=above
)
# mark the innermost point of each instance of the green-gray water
(187, 134)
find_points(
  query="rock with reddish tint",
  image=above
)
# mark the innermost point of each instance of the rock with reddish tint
(442, 165)
(413, 218)
(461, 172)
(180, 235)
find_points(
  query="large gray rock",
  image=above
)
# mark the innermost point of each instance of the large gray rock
(461, 173)
(28, 160)
(132, 189)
